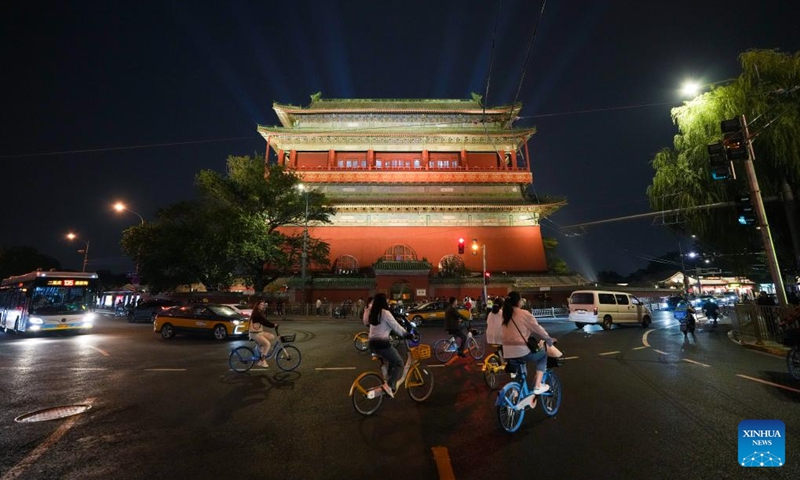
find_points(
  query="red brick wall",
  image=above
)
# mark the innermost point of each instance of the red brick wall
(510, 249)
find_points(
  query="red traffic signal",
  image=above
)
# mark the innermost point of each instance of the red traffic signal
(461, 246)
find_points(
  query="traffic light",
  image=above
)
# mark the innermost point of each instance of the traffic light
(474, 246)
(487, 276)
(745, 212)
(734, 139)
(721, 167)
(461, 246)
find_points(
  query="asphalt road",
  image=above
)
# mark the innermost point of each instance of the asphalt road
(637, 404)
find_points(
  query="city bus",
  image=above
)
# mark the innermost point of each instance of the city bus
(48, 301)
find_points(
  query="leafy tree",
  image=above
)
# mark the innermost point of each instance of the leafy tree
(763, 93)
(18, 260)
(555, 264)
(452, 266)
(232, 231)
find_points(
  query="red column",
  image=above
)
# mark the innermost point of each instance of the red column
(293, 158)
(426, 159)
(527, 157)
(331, 158)
(266, 156)
(370, 159)
(464, 159)
(281, 160)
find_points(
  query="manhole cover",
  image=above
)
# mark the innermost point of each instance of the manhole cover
(52, 413)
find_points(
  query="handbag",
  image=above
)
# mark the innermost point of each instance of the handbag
(533, 345)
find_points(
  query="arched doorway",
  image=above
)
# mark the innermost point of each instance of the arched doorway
(402, 291)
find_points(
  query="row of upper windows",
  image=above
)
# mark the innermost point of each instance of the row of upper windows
(398, 164)
(399, 253)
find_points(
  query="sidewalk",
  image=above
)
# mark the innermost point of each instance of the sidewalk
(747, 341)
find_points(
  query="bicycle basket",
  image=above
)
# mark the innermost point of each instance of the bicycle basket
(556, 362)
(421, 353)
(288, 338)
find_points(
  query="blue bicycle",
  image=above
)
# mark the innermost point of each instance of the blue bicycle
(286, 356)
(515, 397)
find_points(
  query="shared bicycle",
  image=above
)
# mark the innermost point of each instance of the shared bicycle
(367, 390)
(493, 365)
(516, 397)
(444, 350)
(286, 356)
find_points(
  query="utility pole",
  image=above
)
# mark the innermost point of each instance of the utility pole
(761, 216)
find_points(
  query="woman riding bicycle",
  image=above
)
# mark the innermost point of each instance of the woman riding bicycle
(258, 320)
(381, 324)
(518, 325)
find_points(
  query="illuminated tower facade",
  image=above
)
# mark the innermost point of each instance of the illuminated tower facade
(410, 177)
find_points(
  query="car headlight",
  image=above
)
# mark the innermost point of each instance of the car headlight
(35, 320)
(236, 322)
(88, 318)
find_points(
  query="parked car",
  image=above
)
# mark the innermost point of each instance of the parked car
(428, 312)
(219, 320)
(246, 311)
(607, 308)
(148, 309)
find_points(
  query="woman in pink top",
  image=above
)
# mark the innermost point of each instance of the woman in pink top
(518, 325)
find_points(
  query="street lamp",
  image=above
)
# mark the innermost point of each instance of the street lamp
(85, 251)
(303, 189)
(119, 206)
(475, 252)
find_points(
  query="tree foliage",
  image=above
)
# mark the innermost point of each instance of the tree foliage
(763, 93)
(555, 264)
(233, 231)
(18, 260)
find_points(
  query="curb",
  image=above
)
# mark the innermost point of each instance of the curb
(772, 348)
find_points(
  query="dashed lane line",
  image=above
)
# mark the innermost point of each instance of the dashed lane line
(102, 352)
(164, 369)
(659, 351)
(616, 352)
(641, 348)
(334, 368)
(696, 363)
(768, 383)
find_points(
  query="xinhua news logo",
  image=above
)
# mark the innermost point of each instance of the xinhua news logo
(762, 443)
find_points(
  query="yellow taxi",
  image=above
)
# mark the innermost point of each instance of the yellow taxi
(432, 311)
(221, 321)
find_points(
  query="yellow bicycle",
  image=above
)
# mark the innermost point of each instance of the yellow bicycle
(493, 365)
(367, 389)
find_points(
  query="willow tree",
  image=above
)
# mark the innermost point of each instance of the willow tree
(767, 92)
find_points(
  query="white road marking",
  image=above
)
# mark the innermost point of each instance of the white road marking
(42, 448)
(641, 348)
(768, 383)
(696, 363)
(102, 352)
(335, 368)
(571, 358)
(610, 353)
(86, 368)
(659, 351)
(164, 369)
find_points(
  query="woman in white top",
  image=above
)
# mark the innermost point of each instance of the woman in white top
(518, 325)
(494, 324)
(381, 324)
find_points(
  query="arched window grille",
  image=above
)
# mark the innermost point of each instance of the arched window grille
(399, 253)
(345, 264)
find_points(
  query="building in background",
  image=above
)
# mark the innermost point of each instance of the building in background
(409, 178)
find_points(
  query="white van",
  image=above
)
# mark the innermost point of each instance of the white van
(607, 308)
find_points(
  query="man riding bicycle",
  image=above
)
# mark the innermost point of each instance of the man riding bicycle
(453, 325)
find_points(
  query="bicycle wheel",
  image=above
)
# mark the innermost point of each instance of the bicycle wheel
(440, 351)
(367, 393)
(419, 383)
(551, 399)
(476, 348)
(509, 418)
(361, 341)
(241, 359)
(793, 362)
(490, 366)
(288, 358)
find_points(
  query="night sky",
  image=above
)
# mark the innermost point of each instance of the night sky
(107, 101)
